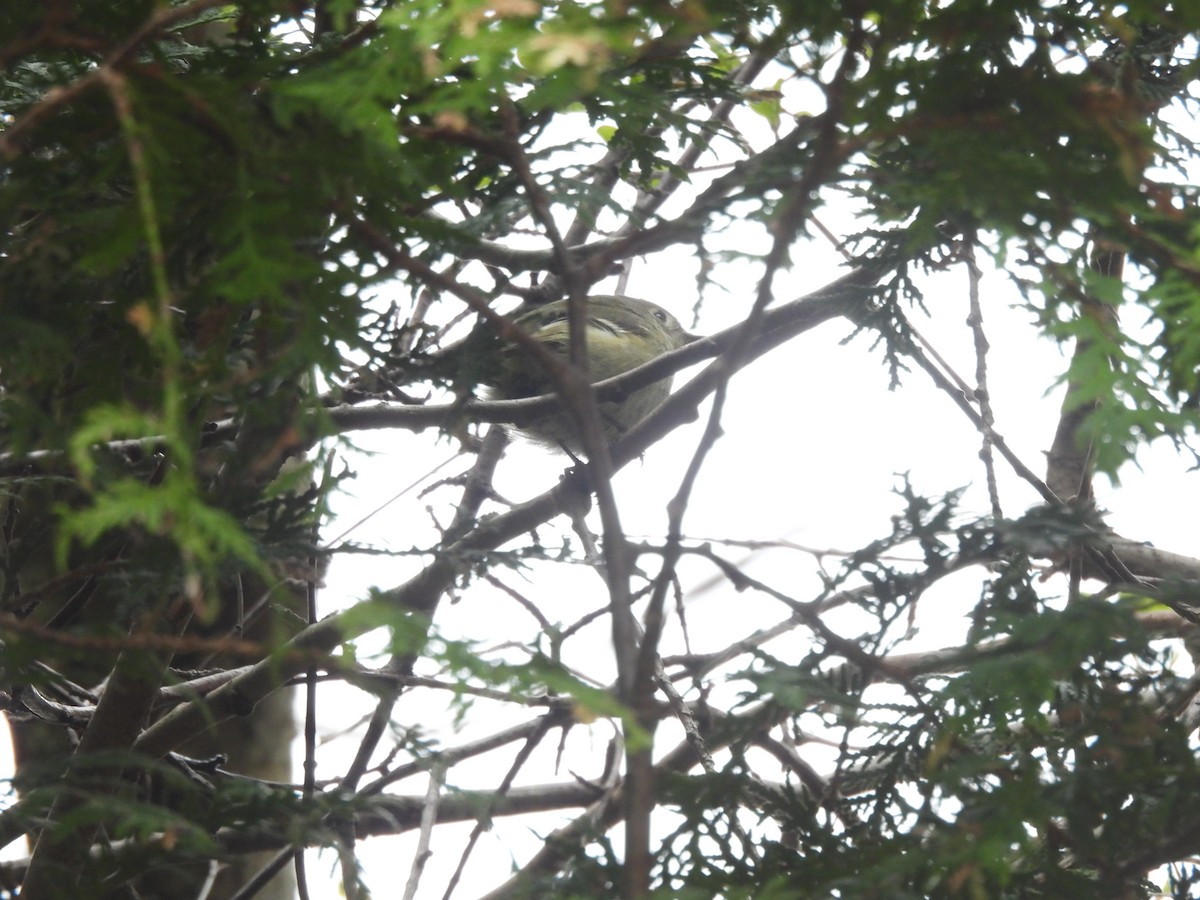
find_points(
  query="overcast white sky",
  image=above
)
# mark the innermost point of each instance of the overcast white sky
(814, 443)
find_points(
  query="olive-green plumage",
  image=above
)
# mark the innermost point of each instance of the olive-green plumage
(622, 333)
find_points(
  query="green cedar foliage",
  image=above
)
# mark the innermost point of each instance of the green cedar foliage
(229, 231)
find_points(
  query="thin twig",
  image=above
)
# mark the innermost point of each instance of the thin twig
(437, 777)
(484, 820)
(982, 393)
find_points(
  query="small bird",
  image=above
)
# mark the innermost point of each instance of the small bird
(622, 333)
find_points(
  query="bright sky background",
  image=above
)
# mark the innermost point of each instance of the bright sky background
(814, 444)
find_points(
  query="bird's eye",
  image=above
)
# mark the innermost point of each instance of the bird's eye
(661, 315)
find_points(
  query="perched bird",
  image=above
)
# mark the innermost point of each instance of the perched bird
(621, 332)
